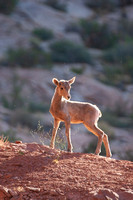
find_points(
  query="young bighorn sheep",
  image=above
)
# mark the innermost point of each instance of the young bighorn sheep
(62, 109)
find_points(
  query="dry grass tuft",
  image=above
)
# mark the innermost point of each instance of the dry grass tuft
(3, 141)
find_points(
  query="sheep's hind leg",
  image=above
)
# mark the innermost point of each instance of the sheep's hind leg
(99, 133)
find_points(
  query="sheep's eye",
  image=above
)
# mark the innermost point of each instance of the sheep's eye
(61, 88)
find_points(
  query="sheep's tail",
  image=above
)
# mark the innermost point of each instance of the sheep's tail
(100, 113)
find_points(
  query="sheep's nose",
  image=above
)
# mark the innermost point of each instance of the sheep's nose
(69, 97)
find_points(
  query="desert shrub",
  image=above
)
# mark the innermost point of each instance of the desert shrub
(56, 4)
(22, 57)
(65, 51)
(73, 27)
(43, 33)
(26, 58)
(15, 98)
(113, 75)
(121, 57)
(120, 53)
(97, 35)
(101, 5)
(125, 29)
(117, 118)
(38, 107)
(128, 67)
(77, 70)
(6, 7)
(23, 118)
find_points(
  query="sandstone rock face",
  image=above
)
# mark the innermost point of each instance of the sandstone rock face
(45, 16)
(11, 35)
(77, 8)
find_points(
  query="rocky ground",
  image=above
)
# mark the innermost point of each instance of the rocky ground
(35, 84)
(32, 171)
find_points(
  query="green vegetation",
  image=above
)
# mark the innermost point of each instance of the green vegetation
(120, 69)
(43, 34)
(97, 35)
(117, 118)
(78, 70)
(27, 58)
(65, 51)
(125, 30)
(56, 4)
(38, 107)
(7, 6)
(22, 57)
(73, 27)
(15, 99)
(103, 5)
(120, 54)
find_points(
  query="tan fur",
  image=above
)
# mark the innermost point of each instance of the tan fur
(73, 112)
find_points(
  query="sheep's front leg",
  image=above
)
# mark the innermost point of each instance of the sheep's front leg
(55, 128)
(68, 135)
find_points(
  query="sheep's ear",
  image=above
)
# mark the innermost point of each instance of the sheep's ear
(55, 81)
(71, 81)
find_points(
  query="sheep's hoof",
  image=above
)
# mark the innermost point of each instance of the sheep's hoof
(51, 146)
(109, 155)
(70, 150)
(97, 153)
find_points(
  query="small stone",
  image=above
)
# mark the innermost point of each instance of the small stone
(18, 142)
(34, 189)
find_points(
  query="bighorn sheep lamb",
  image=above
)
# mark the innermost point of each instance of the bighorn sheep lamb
(62, 109)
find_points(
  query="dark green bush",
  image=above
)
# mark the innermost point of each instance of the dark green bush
(73, 27)
(101, 5)
(125, 30)
(7, 6)
(22, 57)
(56, 4)
(43, 34)
(97, 35)
(117, 118)
(128, 67)
(112, 75)
(77, 70)
(38, 107)
(121, 53)
(26, 58)
(65, 51)
(15, 98)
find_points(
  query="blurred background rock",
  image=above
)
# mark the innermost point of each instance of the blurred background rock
(92, 40)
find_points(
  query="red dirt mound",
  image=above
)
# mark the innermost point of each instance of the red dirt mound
(32, 172)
